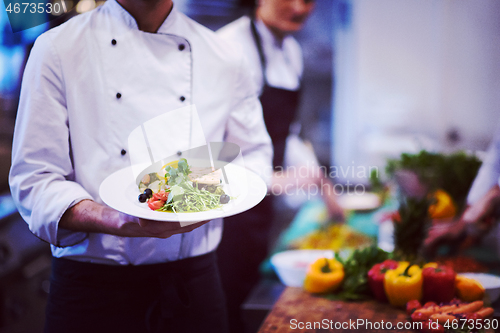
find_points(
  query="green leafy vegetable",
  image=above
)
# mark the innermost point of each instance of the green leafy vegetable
(356, 267)
(176, 192)
(184, 197)
(453, 173)
(191, 200)
(178, 175)
(411, 227)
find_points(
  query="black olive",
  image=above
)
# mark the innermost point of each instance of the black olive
(224, 199)
(143, 197)
(148, 192)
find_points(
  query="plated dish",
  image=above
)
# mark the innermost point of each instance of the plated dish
(178, 187)
(175, 195)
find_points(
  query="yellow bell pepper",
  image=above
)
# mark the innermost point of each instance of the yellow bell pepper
(324, 275)
(431, 264)
(403, 284)
(468, 290)
(444, 207)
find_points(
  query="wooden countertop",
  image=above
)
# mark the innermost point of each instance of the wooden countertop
(298, 311)
(295, 309)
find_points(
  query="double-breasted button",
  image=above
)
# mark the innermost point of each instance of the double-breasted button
(182, 47)
(113, 42)
(118, 95)
(179, 153)
(123, 152)
(182, 98)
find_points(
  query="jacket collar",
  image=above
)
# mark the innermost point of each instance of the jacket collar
(118, 12)
(267, 36)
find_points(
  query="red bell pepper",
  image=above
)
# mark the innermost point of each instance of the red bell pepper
(438, 284)
(376, 278)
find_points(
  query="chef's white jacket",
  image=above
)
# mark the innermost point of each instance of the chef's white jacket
(489, 173)
(284, 61)
(88, 83)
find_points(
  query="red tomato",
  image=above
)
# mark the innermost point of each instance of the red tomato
(432, 327)
(411, 306)
(419, 316)
(162, 195)
(155, 204)
(429, 304)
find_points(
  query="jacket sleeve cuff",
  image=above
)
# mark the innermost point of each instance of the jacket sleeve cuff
(49, 209)
(69, 238)
(65, 237)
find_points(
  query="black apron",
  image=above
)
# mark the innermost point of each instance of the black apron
(245, 239)
(278, 105)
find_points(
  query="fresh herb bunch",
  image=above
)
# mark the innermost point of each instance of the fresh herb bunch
(411, 225)
(183, 196)
(178, 175)
(454, 173)
(356, 266)
(376, 185)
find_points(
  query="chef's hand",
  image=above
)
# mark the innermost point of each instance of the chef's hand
(443, 232)
(481, 212)
(89, 216)
(475, 221)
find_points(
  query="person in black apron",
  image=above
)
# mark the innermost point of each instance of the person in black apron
(244, 244)
(279, 107)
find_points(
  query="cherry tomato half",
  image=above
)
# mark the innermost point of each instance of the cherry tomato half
(155, 204)
(162, 195)
(419, 316)
(411, 306)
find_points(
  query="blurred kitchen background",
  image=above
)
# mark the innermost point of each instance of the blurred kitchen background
(381, 78)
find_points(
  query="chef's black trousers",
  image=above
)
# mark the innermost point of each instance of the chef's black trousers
(181, 296)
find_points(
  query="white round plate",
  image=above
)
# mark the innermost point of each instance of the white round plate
(247, 189)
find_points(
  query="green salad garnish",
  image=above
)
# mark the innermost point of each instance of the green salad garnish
(175, 192)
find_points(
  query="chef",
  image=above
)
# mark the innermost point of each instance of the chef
(276, 63)
(87, 84)
(483, 202)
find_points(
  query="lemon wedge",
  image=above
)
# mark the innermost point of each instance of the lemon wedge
(162, 172)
